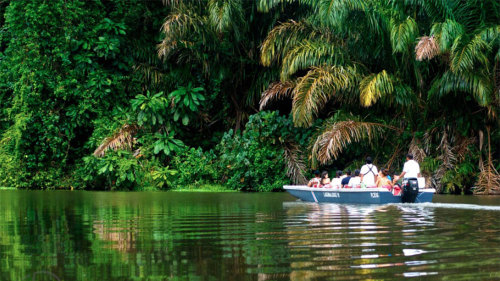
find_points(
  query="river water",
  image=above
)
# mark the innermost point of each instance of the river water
(63, 235)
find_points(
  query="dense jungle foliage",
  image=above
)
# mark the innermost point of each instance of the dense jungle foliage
(142, 94)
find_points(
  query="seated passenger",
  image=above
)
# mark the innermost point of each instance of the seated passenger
(356, 180)
(383, 180)
(341, 175)
(345, 180)
(315, 182)
(337, 181)
(325, 180)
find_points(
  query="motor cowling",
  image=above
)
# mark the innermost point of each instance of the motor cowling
(410, 190)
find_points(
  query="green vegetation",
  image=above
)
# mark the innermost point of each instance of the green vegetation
(147, 95)
(203, 188)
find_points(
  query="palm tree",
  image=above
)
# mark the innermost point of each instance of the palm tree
(215, 41)
(366, 54)
(469, 46)
(318, 63)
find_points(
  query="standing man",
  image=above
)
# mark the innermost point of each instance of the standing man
(368, 173)
(411, 169)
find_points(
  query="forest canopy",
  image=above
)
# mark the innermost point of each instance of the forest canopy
(251, 95)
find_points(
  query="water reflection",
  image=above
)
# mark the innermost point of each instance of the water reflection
(355, 240)
(172, 236)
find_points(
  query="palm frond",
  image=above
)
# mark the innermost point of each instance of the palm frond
(427, 48)
(337, 135)
(123, 139)
(490, 34)
(277, 91)
(438, 9)
(310, 53)
(267, 5)
(448, 161)
(166, 47)
(447, 157)
(176, 3)
(403, 95)
(334, 12)
(417, 151)
(466, 53)
(295, 168)
(378, 21)
(474, 83)
(374, 87)
(427, 139)
(403, 34)
(446, 33)
(175, 27)
(462, 147)
(226, 15)
(260, 83)
(340, 15)
(315, 88)
(148, 65)
(285, 36)
(150, 73)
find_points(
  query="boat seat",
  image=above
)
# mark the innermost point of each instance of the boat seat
(388, 187)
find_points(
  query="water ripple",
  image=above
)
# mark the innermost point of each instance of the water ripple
(164, 236)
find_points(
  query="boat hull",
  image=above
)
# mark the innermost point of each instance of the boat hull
(353, 195)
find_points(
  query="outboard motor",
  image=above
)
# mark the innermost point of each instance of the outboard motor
(410, 190)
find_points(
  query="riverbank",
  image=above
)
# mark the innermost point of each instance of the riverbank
(185, 188)
(204, 188)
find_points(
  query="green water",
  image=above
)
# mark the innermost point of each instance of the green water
(63, 235)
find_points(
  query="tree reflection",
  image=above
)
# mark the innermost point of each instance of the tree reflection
(173, 236)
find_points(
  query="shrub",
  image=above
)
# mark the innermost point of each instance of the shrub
(194, 167)
(253, 160)
(116, 170)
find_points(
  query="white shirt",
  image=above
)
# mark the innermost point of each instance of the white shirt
(335, 183)
(354, 181)
(411, 169)
(315, 182)
(369, 175)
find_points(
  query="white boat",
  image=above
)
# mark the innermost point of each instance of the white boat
(410, 192)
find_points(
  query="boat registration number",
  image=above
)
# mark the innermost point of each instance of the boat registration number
(374, 194)
(332, 194)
